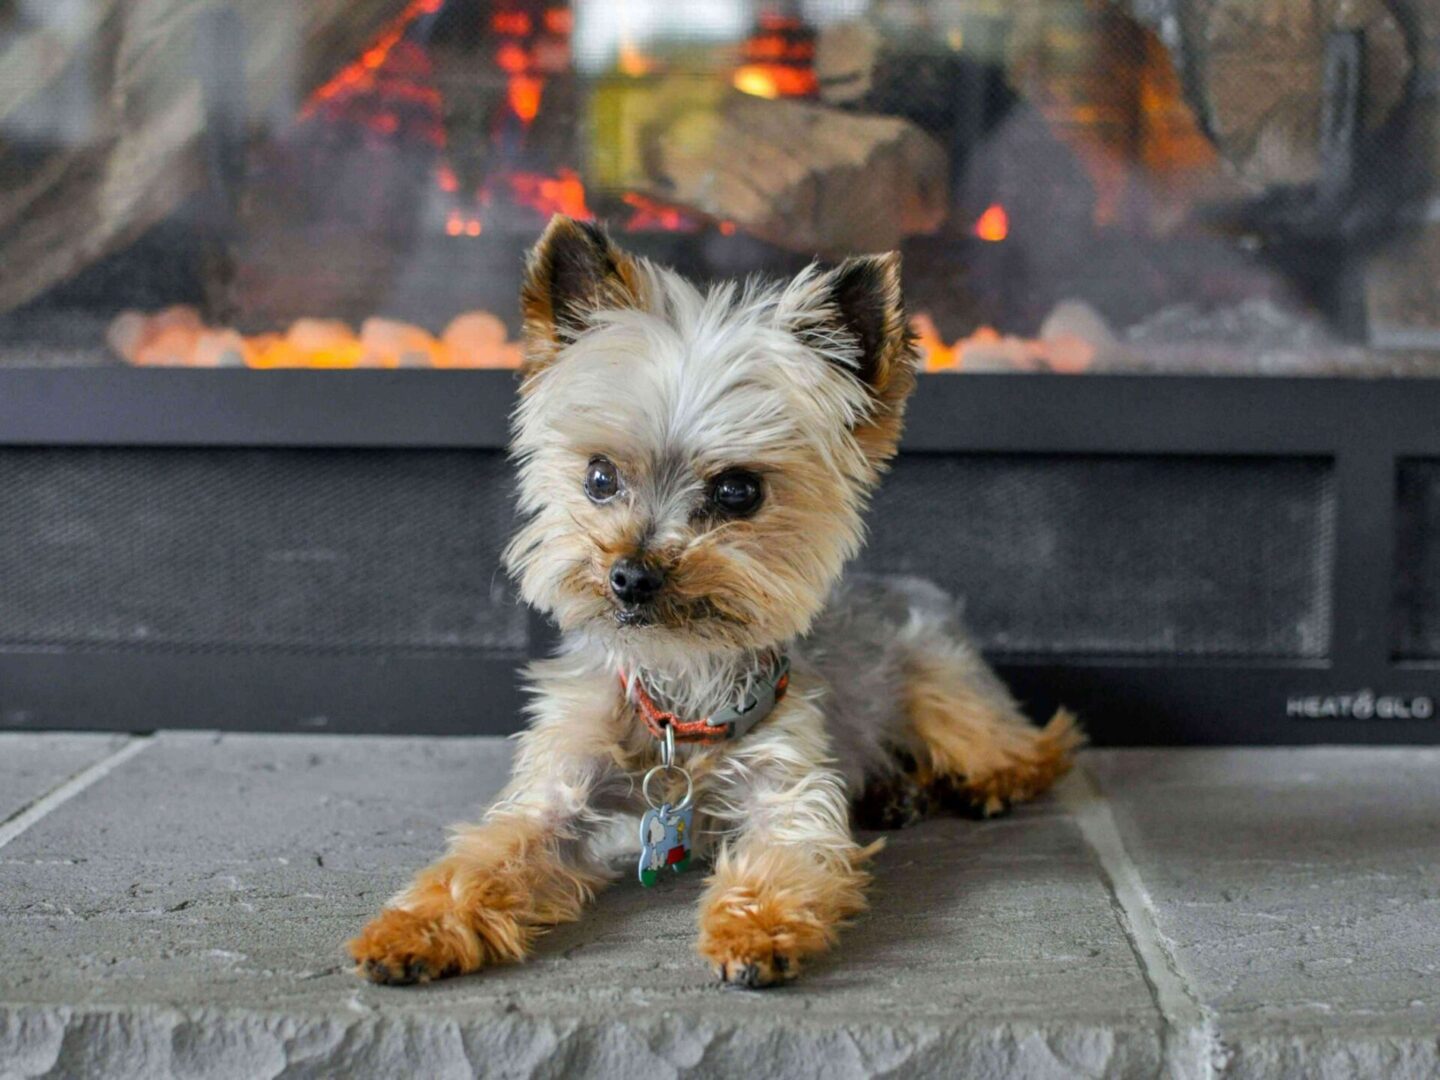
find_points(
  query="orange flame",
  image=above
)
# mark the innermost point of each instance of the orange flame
(632, 62)
(524, 96)
(994, 224)
(360, 75)
(515, 23)
(989, 350)
(774, 81)
(652, 214)
(779, 59)
(559, 194)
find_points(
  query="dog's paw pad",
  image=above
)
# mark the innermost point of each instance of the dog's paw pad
(399, 948)
(750, 974)
(749, 952)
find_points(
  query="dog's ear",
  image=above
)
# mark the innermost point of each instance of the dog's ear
(572, 272)
(864, 293)
(865, 308)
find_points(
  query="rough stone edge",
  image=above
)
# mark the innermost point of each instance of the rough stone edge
(1411, 1055)
(48, 1042)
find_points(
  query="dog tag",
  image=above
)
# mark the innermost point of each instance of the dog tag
(664, 841)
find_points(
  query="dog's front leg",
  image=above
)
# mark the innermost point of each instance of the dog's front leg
(791, 873)
(529, 865)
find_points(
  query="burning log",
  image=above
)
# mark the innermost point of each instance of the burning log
(1259, 78)
(81, 202)
(804, 177)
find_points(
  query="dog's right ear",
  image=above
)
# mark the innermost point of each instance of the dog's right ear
(573, 271)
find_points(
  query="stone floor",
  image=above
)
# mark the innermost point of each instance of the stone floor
(174, 906)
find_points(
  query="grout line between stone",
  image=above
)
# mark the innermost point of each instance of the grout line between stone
(1191, 1043)
(58, 796)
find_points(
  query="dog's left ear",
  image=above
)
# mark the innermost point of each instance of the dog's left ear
(573, 271)
(864, 296)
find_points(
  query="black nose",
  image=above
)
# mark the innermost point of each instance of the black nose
(634, 582)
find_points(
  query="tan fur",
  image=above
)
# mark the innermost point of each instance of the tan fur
(483, 904)
(766, 910)
(879, 434)
(993, 757)
(616, 285)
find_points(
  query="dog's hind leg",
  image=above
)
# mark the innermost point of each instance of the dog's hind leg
(975, 749)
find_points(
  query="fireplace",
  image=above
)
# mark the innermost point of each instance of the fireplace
(1174, 266)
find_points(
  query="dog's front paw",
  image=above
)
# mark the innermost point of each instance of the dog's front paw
(749, 947)
(399, 948)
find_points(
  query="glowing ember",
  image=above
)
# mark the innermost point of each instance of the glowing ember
(400, 72)
(632, 62)
(524, 96)
(936, 354)
(994, 224)
(177, 337)
(559, 194)
(988, 350)
(779, 60)
(515, 23)
(773, 81)
(651, 214)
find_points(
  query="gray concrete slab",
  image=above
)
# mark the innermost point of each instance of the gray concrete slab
(1172, 913)
(1299, 891)
(32, 765)
(184, 916)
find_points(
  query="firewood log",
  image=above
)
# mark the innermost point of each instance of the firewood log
(66, 203)
(805, 177)
(1259, 73)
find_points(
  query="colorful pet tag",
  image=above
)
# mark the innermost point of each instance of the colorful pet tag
(664, 841)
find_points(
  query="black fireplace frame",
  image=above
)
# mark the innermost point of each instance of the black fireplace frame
(1366, 427)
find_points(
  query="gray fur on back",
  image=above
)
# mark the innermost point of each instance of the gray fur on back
(861, 646)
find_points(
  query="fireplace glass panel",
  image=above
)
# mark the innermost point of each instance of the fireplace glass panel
(1235, 186)
(329, 551)
(1416, 625)
(1147, 556)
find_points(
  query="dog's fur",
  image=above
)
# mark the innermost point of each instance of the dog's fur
(890, 712)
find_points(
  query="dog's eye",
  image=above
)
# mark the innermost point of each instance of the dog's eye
(602, 480)
(736, 492)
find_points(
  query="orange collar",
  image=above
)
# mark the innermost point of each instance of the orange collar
(728, 723)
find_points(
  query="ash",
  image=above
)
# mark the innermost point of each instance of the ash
(1257, 324)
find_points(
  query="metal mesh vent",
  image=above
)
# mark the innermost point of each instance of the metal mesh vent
(1107, 556)
(1415, 632)
(336, 550)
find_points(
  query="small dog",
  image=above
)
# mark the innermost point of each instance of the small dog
(693, 466)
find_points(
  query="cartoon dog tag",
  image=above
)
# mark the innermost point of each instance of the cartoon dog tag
(664, 841)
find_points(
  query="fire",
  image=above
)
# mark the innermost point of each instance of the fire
(177, 337)
(524, 96)
(514, 23)
(361, 76)
(773, 81)
(779, 60)
(994, 224)
(632, 62)
(986, 349)
(936, 354)
(559, 194)
(652, 214)
(756, 81)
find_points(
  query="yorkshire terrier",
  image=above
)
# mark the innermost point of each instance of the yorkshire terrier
(693, 467)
